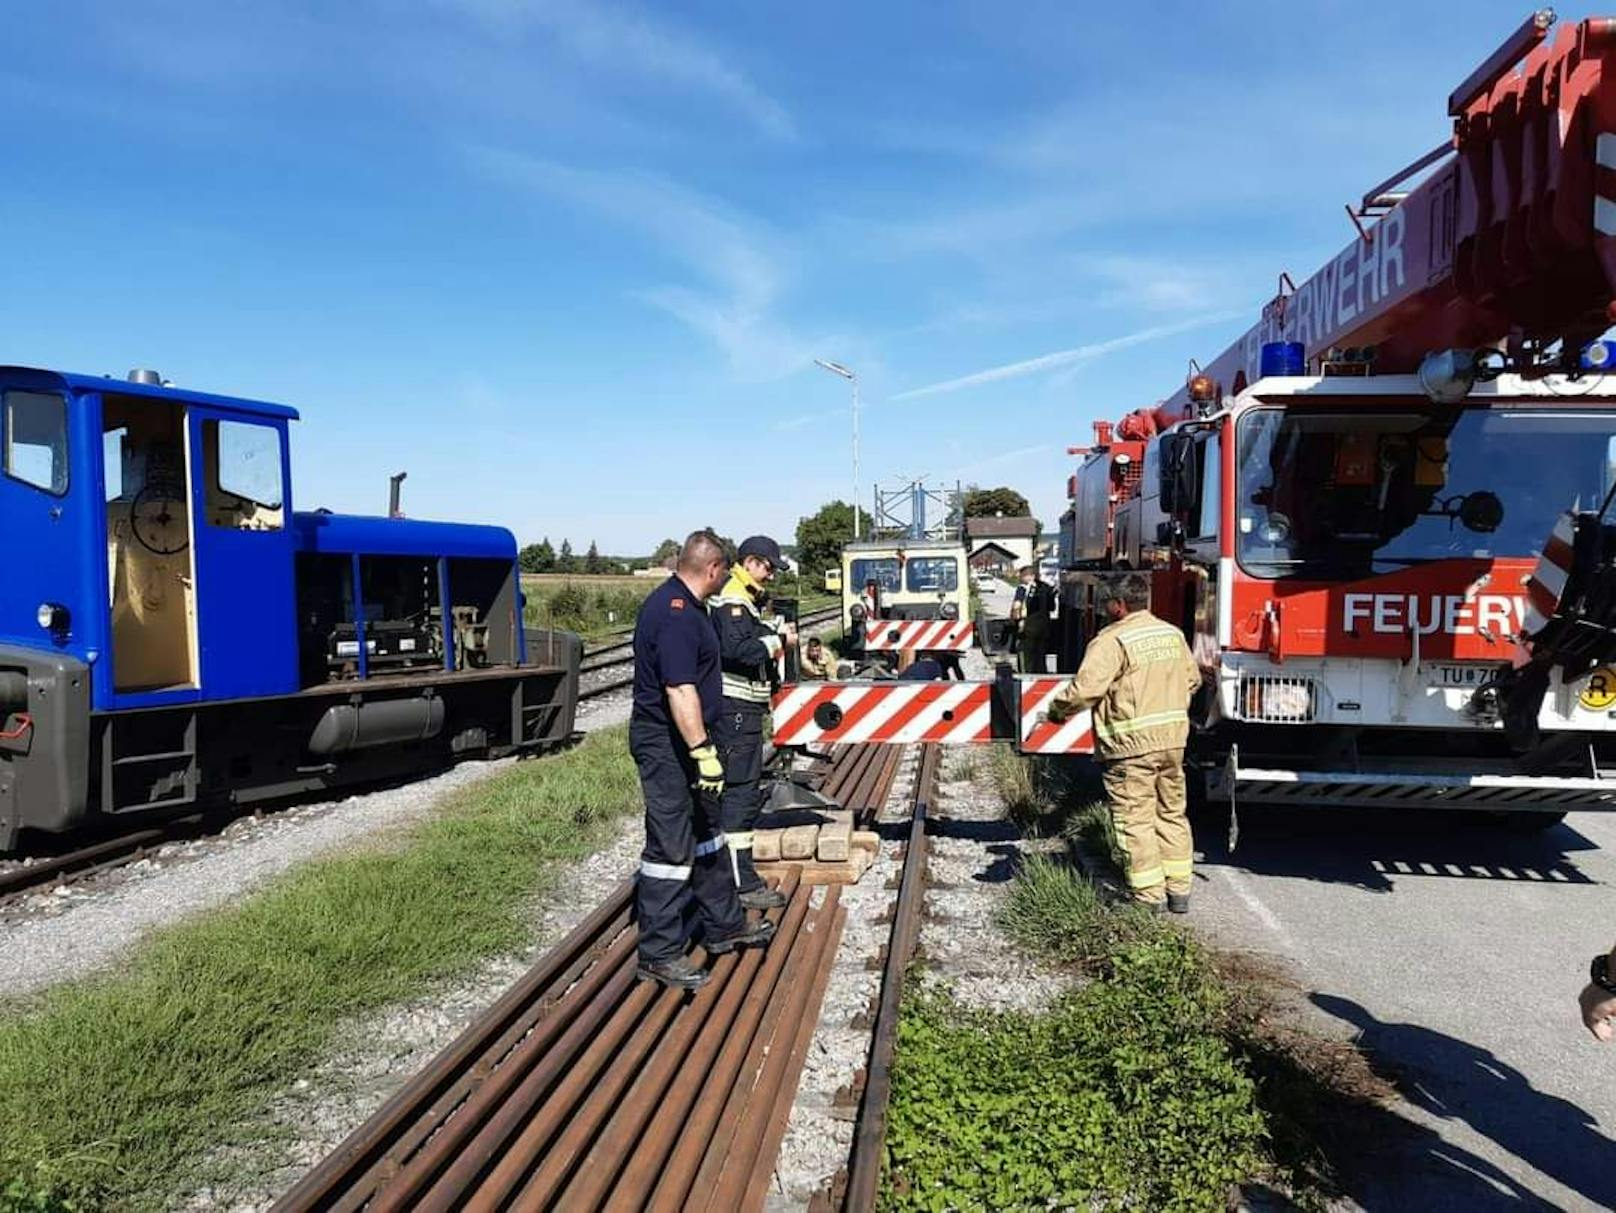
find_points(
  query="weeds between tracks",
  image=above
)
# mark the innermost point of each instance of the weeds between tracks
(113, 1087)
(1161, 1080)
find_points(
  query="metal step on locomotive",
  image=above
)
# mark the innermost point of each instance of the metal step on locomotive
(174, 636)
(1343, 511)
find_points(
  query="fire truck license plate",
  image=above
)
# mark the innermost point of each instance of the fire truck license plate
(1459, 675)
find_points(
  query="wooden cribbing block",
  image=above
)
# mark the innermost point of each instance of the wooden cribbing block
(816, 872)
(799, 842)
(866, 840)
(836, 838)
(765, 845)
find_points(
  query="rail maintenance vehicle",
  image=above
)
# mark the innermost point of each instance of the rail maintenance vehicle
(906, 590)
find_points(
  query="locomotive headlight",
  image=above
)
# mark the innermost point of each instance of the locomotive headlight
(52, 616)
(950, 610)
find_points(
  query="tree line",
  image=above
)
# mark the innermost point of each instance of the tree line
(820, 538)
(542, 557)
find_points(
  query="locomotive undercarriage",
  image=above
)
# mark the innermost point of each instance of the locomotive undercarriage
(71, 765)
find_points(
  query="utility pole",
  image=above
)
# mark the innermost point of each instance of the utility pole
(836, 368)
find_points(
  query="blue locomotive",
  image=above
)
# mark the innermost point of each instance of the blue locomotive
(174, 636)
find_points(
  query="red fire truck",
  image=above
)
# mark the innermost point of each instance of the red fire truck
(1343, 510)
(1380, 516)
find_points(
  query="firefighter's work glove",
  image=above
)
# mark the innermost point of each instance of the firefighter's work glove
(709, 771)
(1059, 712)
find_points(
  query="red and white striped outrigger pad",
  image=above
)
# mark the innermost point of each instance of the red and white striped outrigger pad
(1546, 586)
(948, 713)
(913, 635)
(1039, 736)
(953, 713)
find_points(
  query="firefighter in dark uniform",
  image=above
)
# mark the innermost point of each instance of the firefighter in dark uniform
(1034, 600)
(676, 703)
(749, 645)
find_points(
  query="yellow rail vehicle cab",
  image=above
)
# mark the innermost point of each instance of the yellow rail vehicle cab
(912, 580)
(833, 581)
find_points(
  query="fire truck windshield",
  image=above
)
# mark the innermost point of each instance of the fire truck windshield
(1335, 495)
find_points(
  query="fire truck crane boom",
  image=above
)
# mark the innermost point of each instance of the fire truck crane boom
(1512, 239)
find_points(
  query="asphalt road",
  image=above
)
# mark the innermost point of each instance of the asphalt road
(1453, 953)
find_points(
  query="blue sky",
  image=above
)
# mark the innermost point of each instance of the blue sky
(569, 263)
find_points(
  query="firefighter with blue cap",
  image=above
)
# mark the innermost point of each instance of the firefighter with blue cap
(750, 644)
(677, 700)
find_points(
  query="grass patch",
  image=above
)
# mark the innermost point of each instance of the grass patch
(1056, 912)
(1046, 796)
(1118, 1096)
(601, 607)
(594, 607)
(1169, 1075)
(110, 1088)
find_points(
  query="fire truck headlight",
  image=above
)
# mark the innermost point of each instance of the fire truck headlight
(52, 616)
(950, 610)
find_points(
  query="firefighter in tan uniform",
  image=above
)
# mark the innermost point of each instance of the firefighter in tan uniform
(1138, 676)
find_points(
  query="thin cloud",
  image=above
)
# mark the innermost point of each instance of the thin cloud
(1003, 457)
(625, 41)
(1076, 356)
(738, 259)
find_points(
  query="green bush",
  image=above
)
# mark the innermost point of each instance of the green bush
(1119, 1096)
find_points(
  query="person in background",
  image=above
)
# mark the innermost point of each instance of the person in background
(677, 698)
(1138, 676)
(816, 660)
(924, 668)
(1031, 609)
(871, 600)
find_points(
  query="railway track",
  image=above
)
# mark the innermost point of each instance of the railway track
(104, 854)
(621, 653)
(582, 1088)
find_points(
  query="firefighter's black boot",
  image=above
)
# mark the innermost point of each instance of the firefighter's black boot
(1178, 903)
(678, 973)
(763, 898)
(755, 935)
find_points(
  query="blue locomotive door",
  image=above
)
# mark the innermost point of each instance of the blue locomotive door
(245, 598)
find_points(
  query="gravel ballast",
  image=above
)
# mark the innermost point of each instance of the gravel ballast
(973, 851)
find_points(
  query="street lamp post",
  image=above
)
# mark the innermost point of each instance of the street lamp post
(836, 368)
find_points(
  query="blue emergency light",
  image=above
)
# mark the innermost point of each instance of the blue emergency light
(1597, 356)
(1283, 358)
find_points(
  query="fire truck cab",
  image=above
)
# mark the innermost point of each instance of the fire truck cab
(1349, 558)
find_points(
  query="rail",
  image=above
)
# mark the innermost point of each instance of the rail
(590, 666)
(582, 1088)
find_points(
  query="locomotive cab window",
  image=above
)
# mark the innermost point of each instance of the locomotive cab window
(35, 433)
(244, 479)
(932, 574)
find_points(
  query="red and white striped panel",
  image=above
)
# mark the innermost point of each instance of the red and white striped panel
(1038, 736)
(953, 713)
(1546, 585)
(911, 635)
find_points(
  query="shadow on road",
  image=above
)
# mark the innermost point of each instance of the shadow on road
(1405, 1165)
(1369, 849)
